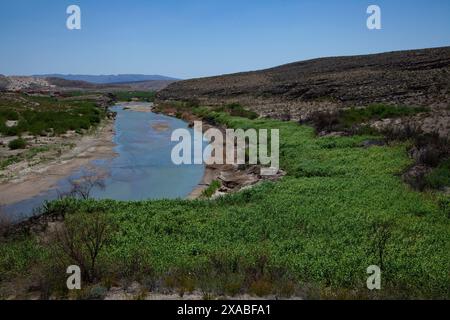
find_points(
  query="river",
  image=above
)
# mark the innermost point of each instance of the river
(141, 170)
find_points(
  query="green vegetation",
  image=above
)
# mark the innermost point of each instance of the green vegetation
(439, 178)
(377, 112)
(340, 209)
(42, 115)
(344, 120)
(30, 153)
(237, 110)
(211, 190)
(9, 161)
(17, 144)
(148, 96)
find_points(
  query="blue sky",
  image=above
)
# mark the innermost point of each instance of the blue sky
(193, 38)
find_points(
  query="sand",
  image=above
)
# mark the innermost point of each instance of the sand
(37, 179)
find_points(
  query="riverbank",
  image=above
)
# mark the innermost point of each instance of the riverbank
(231, 177)
(137, 106)
(30, 180)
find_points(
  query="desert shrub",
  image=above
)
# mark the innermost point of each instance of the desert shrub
(439, 178)
(261, 287)
(192, 103)
(83, 238)
(17, 144)
(324, 121)
(432, 148)
(237, 110)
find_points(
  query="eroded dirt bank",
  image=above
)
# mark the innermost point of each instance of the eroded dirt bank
(232, 178)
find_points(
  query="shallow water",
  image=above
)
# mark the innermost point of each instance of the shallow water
(141, 170)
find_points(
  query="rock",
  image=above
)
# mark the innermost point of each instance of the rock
(372, 143)
(11, 123)
(415, 176)
(332, 134)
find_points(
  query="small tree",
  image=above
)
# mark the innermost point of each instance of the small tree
(82, 188)
(381, 233)
(82, 238)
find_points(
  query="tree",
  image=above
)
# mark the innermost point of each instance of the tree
(82, 188)
(381, 233)
(82, 237)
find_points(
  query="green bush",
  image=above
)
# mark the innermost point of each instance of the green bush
(17, 144)
(440, 177)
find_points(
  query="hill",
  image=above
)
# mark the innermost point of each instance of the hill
(415, 77)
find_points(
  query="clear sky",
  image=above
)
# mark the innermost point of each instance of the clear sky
(193, 38)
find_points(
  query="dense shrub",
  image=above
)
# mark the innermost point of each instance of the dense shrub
(324, 121)
(439, 178)
(17, 144)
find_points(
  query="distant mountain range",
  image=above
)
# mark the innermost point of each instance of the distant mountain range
(108, 79)
(57, 83)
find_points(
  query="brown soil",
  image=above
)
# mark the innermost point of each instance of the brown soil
(29, 181)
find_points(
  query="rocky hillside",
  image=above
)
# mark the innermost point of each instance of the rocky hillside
(416, 77)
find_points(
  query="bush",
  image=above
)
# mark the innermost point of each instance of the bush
(17, 144)
(324, 121)
(83, 238)
(439, 178)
